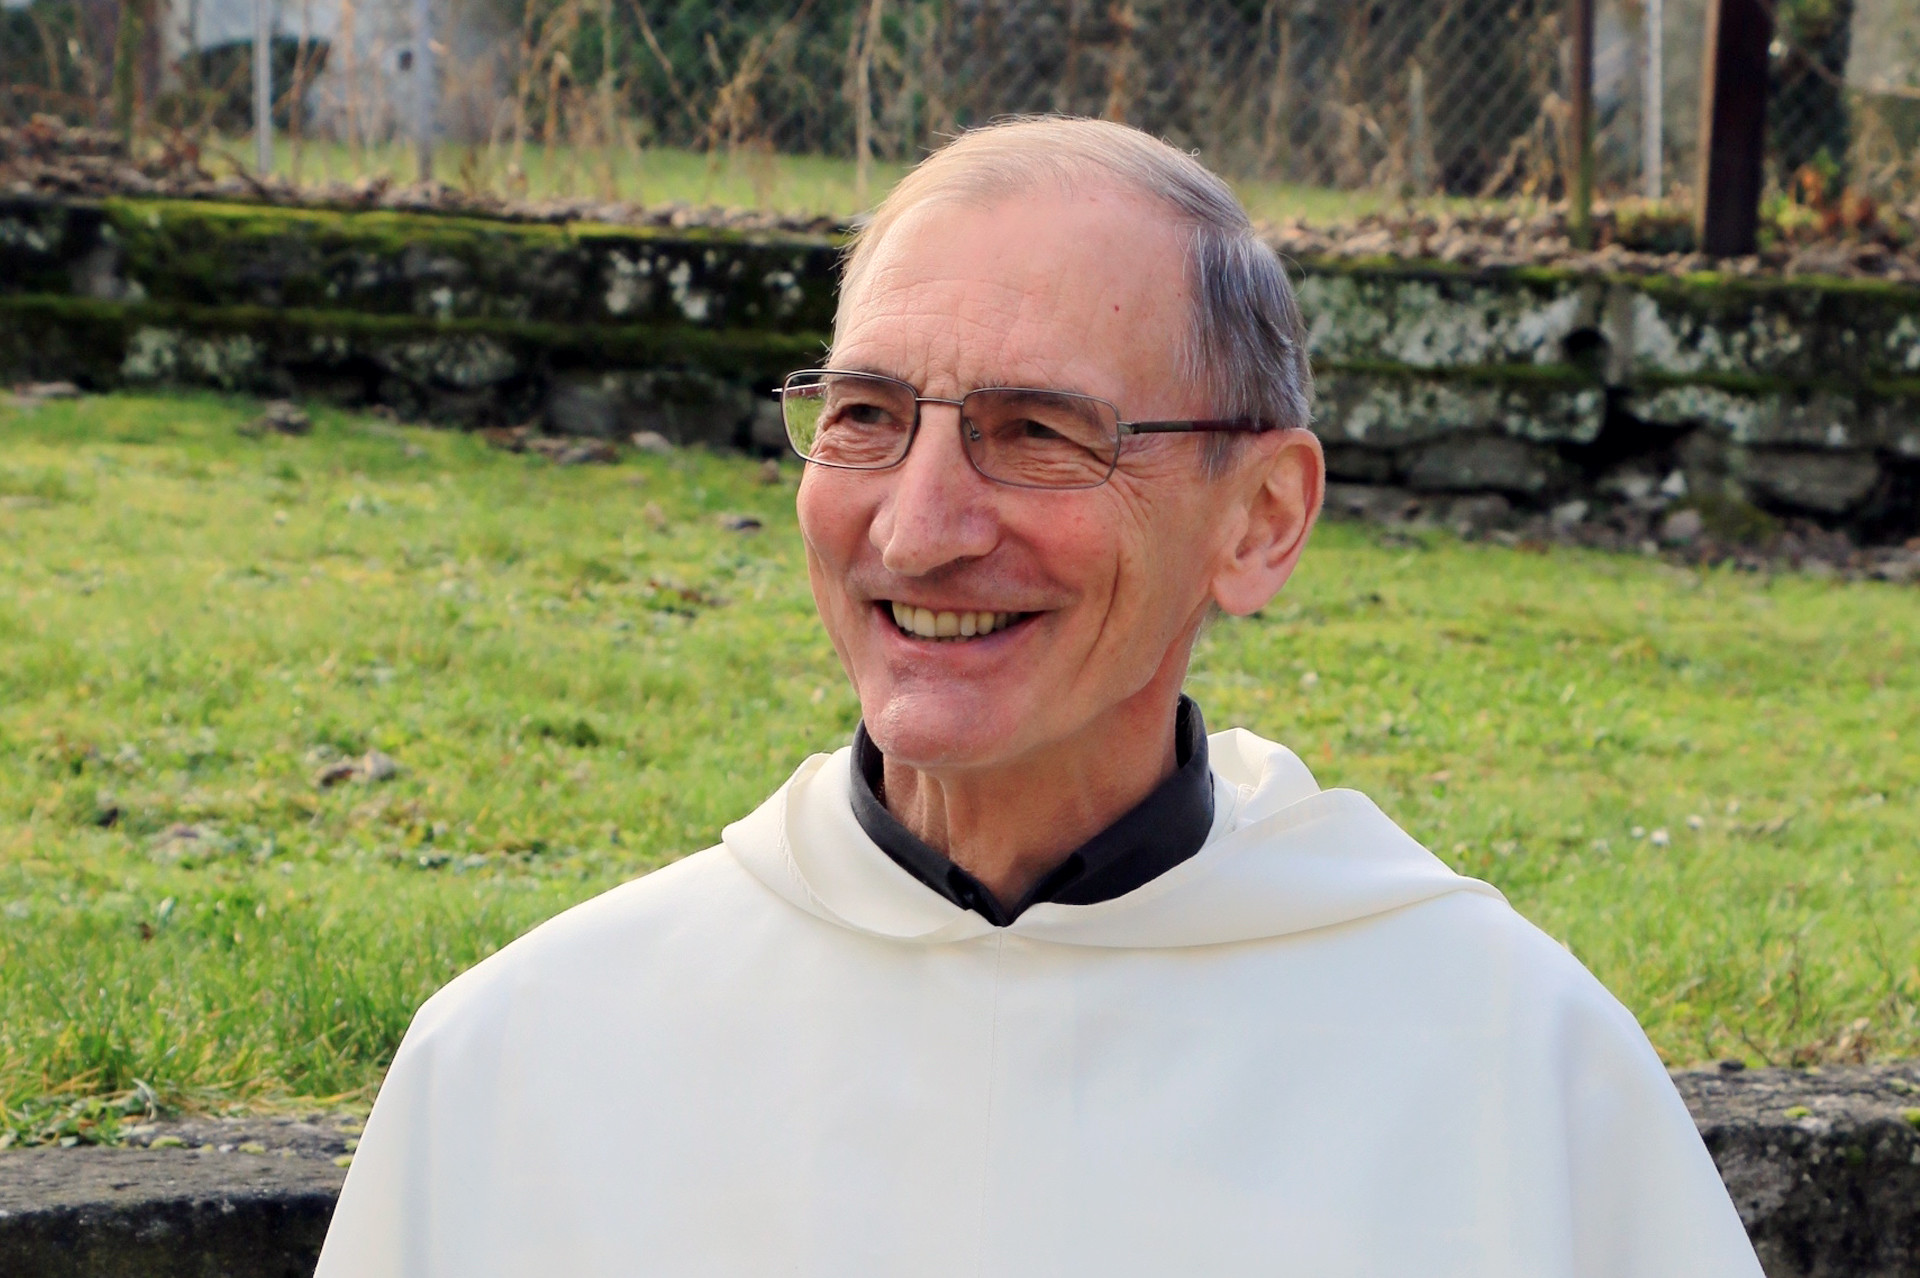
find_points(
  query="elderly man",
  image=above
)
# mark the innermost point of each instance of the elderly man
(1036, 977)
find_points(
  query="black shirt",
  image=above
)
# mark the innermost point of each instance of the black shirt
(1158, 833)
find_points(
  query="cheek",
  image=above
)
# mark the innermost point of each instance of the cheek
(828, 529)
(1071, 542)
(831, 524)
(1161, 568)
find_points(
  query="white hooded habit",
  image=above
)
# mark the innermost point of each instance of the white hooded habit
(1310, 1049)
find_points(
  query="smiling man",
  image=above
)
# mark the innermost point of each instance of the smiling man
(1036, 977)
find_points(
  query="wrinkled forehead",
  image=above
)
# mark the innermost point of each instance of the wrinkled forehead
(1075, 290)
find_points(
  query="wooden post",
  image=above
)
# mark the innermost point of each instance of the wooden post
(609, 130)
(1733, 125)
(1417, 127)
(1580, 211)
(129, 50)
(263, 87)
(863, 106)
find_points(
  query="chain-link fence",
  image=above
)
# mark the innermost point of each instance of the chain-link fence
(1458, 97)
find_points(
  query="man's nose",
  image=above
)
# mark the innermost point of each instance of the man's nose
(938, 508)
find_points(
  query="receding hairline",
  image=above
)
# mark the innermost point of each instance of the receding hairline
(1156, 219)
(1018, 157)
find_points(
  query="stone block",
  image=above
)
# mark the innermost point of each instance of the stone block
(1817, 482)
(1443, 320)
(1486, 463)
(1373, 503)
(1387, 411)
(1893, 423)
(1472, 516)
(1696, 405)
(455, 361)
(1553, 414)
(1796, 417)
(585, 405)
(1379, 409)
(682, 406)
(1359, 464)
(1682, 328)
(1815, 418)
(1823, 1166)
(767, 432)
(135, 1213)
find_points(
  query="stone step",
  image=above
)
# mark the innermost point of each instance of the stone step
(1824, 1167)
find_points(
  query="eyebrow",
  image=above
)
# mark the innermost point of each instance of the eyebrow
(1039, 394)
(870, 370)
(1043, 396)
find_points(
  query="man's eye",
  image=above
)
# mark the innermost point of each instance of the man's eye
(866, 414)
(1030, 429)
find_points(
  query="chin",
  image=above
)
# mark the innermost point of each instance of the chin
(931, 731)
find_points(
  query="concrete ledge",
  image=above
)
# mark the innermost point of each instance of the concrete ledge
(147, 1213)
(1824, 1167)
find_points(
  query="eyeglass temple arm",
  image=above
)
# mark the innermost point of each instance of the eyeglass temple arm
(1245, 424)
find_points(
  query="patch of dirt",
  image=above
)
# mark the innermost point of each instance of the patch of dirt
(1887, 249)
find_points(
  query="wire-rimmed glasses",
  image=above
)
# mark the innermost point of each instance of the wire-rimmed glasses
(1024, 436)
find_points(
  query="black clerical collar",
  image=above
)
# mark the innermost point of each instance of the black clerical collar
(1160, 832)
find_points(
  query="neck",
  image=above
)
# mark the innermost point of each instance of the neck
(1012, 824)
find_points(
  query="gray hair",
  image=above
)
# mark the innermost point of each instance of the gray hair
(1246, 343)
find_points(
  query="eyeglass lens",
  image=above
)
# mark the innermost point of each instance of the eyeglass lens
(1032, 438)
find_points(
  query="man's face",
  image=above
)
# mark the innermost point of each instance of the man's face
(1107, 585)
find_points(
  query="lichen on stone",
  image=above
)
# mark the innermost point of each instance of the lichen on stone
(229, 362)
(153, 355)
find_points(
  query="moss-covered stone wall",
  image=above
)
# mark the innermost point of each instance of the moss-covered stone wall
(1546, 387)
(601, 330)
(1796, 395)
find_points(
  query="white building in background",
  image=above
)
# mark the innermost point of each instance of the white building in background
(1885, 54)
(367, 85)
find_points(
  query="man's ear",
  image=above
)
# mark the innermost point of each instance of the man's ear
(1283, 500)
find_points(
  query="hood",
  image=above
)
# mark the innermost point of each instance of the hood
(1284, 856)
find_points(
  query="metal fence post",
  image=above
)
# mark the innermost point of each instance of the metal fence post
(1733, 125)
(423, 89)
(262, 87)
(1653, 102)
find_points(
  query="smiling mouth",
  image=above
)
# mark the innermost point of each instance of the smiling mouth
(924, 623)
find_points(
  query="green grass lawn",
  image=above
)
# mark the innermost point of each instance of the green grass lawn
(796, 184)
(1706, 785)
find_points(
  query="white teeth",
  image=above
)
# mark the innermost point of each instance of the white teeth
(927, 624)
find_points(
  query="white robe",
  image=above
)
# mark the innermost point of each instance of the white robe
(1309, 1050)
